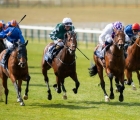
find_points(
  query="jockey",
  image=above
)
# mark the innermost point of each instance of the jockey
(57, 35)
(106, 37)
(131, 31)
(12, 35)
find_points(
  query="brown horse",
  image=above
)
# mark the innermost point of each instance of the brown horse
(115, 63)
(64, 65)
(17, 70)
(133, 62)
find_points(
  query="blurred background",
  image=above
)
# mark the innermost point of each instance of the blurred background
(89, 16)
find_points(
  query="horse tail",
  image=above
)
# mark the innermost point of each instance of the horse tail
(92, 70)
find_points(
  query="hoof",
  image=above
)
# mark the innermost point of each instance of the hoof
(74, 90)
(134, 88)
(18, 100)
(107, 99)
(111, 97)
(49, 97)
(64, 97)
(22, 104)
(121, 98)
(116, 90)
(25, 97)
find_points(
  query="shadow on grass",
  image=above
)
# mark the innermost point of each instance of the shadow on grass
(82, 104)
(110, 103)
(59, 105)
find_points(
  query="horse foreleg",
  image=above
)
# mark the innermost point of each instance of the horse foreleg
(25, 97)
(110, 75)
(6, 91)
(64, 90)
(129, 77)
(77, 84)
(18, 91)
(57, 86)
(121, 88)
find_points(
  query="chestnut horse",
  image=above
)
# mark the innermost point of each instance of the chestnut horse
(133, 62)
(64, 65)
(17, 70)
(115, 64)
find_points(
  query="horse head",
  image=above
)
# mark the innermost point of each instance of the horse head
(22, 55)
(70, 42)
(119, 39)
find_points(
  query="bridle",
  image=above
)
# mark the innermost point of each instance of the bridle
(71, 47)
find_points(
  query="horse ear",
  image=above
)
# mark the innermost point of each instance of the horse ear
(26, 43)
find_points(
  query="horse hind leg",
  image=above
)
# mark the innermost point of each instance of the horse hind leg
(46, 79)
(18, 90)
(6, 91)
(77, 83)
(25, 97)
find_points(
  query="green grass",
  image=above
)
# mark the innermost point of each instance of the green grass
(88, 104)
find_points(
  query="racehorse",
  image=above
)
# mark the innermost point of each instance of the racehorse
(132, 62)
(63, 64)
(115, 64)
(17, 70)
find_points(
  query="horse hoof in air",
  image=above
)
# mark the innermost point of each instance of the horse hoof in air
(49, 97)
(25, 97)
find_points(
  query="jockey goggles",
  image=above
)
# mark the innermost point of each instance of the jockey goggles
(135, 30)
(68, 24)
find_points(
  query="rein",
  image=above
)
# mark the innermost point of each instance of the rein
(136, 43)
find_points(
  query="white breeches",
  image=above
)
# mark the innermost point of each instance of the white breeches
(108, 38)
(7, 43)
(59, 43)
(56, 43)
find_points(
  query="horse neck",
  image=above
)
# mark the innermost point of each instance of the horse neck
(136, 46)
(65, 55)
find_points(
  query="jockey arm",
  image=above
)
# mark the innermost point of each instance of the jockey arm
(108, 30)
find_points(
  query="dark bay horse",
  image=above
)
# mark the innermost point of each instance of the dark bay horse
(64, 65)
(133, 62)
(115, 64)
(17, 70)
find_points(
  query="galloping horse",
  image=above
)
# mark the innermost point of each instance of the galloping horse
(133, 62)
(17, 70)
(115, 63)
(64, 65)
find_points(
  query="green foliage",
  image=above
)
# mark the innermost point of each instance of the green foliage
(87, 104)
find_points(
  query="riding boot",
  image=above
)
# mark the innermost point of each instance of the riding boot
(5, 57)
